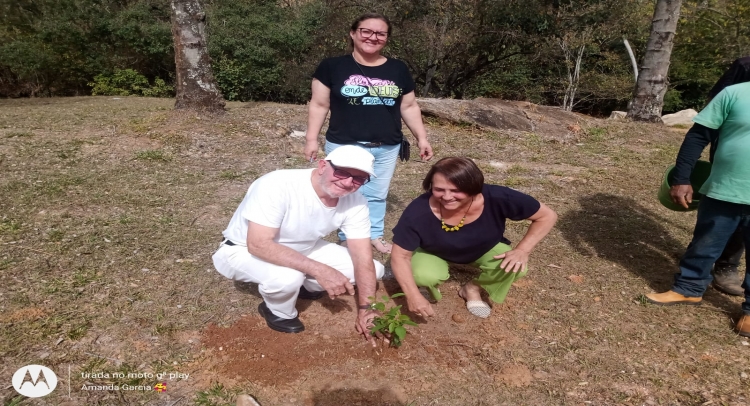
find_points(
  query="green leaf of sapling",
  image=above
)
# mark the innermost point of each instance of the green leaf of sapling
(400, 332)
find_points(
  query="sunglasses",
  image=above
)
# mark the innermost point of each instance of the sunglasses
(342, 174)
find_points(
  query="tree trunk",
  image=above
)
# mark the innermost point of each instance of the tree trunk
(652, 80)
(195, 86)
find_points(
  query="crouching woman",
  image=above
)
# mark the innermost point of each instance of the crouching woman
(460, 219)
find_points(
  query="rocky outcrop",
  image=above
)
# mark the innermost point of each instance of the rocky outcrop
(683, 117)
(478, 112)
(496, 114)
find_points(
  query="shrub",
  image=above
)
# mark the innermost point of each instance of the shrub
(126, 82)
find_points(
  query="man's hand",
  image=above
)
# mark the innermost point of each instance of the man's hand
(364, 323)
(419, 306)
(514, 260)
(682, 195)
(334, 282)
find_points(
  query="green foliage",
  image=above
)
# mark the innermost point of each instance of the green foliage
(232, 79)
(16, 400)
(9, 226)
(513, 80)
(217, 395)
(673, 100)
(56, 47)
(711, 35)
(264, 51)
(267, 50)
(392, 322)
(153, 155)
(596, 134)
(128, 82)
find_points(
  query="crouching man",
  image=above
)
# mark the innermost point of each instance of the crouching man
(275, 236)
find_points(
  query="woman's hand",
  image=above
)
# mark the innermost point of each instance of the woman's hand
(542, 222)
(514, 260)
(412, 116)
(401, 266)
(419, 306)
(425, 149)
(311, 149)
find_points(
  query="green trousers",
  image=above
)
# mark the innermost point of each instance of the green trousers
(430, 271)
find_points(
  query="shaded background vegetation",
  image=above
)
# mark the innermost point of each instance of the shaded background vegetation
(267, 50)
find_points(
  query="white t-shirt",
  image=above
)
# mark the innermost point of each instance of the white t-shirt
(285, 199)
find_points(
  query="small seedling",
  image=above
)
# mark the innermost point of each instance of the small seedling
(392, 322)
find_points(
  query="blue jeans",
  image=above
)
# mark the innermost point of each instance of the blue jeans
(376, 190)
(717, 221)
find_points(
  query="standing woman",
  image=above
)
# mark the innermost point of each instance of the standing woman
(367, 94)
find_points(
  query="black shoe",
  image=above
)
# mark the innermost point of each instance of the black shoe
(307, 295)
(728, 280)
(277, 323)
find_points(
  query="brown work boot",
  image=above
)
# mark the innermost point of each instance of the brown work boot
(672, 298)
(728, 280)
(743, 325)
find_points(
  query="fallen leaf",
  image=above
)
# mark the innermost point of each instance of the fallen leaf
(514, 376)
(576, 278)
(554, 266)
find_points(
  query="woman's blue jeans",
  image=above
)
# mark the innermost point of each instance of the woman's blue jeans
(717, 221)
(376, 190)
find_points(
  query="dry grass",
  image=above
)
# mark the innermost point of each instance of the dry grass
(110, 209)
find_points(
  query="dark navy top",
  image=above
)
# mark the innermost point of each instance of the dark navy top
(419, 228)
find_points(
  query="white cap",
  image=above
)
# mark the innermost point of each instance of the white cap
(350, 156)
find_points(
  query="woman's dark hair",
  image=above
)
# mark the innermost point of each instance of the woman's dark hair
(368, 16)
(460, 171)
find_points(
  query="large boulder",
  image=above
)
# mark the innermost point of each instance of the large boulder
(477, 112)
(684, 117)
(548, 122)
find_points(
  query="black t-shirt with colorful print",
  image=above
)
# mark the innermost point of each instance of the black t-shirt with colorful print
(357, 113)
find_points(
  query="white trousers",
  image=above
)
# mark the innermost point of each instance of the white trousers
(280, 285)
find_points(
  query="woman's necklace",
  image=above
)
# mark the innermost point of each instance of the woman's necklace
(460, 223)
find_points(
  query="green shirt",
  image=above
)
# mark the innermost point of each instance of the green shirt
(729, 112)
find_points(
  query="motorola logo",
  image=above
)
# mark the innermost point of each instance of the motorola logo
(34, 381)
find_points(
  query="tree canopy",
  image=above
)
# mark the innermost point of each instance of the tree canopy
(543, 51)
